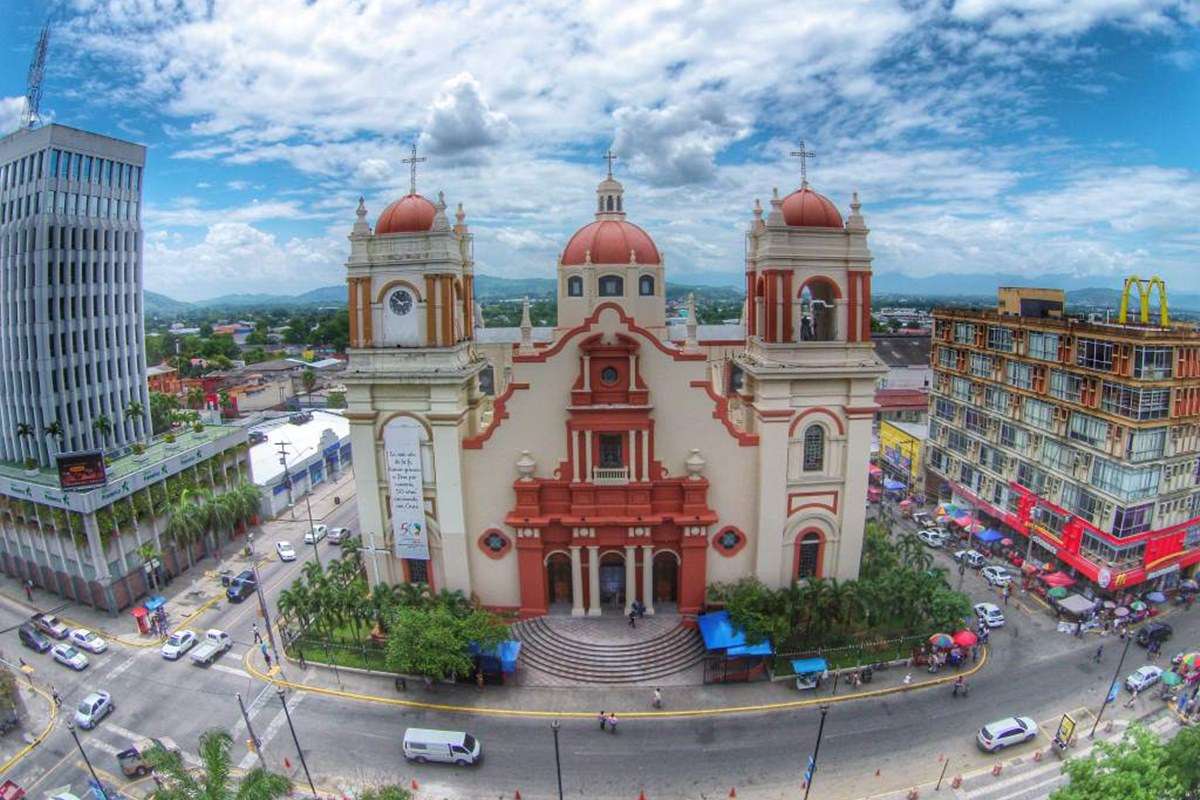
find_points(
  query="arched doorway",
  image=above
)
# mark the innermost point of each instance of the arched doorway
(612, 580)
(666, 577)
(558, 579)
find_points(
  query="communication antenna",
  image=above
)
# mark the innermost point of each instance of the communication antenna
(33, 82)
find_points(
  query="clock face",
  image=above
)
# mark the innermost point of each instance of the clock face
(400, 302)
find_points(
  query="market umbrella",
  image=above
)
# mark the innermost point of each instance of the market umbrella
(1110, 605)
(1172, 679)
(1156, 597)
(1189, 585)
(941, 641)
(965, 638)
(1138, 605)
(1121, 611)
(1190, 660)
(1006, 542)
(1058, 592)
(1029, 567)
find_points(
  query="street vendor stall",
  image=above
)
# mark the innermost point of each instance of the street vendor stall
(1076, 605)
(810, 672)
(730, 657)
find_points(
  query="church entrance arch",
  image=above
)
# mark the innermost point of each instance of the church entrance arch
(612, 580)
(558, 579)
(666, 577)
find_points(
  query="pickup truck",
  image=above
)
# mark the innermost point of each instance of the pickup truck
(213, 644)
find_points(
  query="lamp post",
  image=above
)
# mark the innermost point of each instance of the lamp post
(816, 751)
(262, 601)
(86, 760)
(292, 728)
(1108, 695)
(554, 726)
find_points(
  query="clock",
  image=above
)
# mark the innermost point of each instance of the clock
(400, 302)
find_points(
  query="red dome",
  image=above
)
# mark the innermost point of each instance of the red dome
(805, 208)
(409, 214)
(610, 241)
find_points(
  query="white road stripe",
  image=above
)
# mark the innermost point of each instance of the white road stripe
(271, 730)
(231, 670)
(124, 665)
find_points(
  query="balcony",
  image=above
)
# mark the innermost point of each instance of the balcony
(610, 476)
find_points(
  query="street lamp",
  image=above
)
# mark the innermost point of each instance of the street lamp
(554, 726)
(812, 767)
(1108, 696)
(86, 760)
(262, 601)
(292, 728)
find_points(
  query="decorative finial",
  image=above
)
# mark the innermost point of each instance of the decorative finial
(441, 200)
(362, 207)
(412, 162)
(526, 328)
(459, 214)
(691, 343)
(609, 157)
(774, 193)
(757, 208)
(804, 156)
(854, 204)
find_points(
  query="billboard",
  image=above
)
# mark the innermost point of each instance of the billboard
(402, 454)
(81, 470)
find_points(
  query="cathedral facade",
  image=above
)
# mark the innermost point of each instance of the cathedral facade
(614, 457)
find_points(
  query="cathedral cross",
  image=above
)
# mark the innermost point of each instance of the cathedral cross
(609, 157)
(804, 156)
(412, 161)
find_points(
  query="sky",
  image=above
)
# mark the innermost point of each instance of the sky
(1029, 137)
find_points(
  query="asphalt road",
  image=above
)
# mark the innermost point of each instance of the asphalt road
(1036, 672)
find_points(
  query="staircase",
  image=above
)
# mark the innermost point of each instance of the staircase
(573, 651)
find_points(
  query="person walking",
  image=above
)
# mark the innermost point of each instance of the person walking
(612, 723)
(632, 618)
(603, 719)
(257, 635)
(57, 697)
(29, 590)
(958, 685)
(1132, 699)
(657, 697)
(1099, 654)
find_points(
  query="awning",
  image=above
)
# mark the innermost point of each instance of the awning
(763, 648)
(1058, 579)
(893, 486)
(805, 666)
(504, 656)
(155, 603)
(989, 535)
(874, 471)
(720, 634)
(1076, 604)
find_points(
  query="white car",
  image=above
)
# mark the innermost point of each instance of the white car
(1143, 678)
(1005, 732)
(87, 640)
(996, 576)
(338, 535)
(990, 614)
(317, 533)
(932, 537)
(66, 654)
(973, 558)
(177, 644)
(93, 708)
(286, 551)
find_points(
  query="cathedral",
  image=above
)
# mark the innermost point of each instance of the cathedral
(617, 456)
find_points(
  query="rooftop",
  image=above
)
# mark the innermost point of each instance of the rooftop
(902, 398)
(1177, 332)
(303, 441)
(902, 350)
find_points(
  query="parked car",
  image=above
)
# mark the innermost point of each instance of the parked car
(1154, 632)
(87, 640)
(990, 614)
(451, 747)
(241, 587)
(973, 558)
(133, 760)
(1143, 677)
(68, 655)
(996, 576)
(923, 519)
(338, 535)
(93, 708)
(285, 551)
(32, 638)
(177, 644)
(932, 537)
(1005, 733)
(215, 643)
(51, 626)
(317, 533)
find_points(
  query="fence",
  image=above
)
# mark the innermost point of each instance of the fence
(368, 654)
(853, 655)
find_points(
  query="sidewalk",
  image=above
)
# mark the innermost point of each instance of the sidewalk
(627, 701)
(37, 718)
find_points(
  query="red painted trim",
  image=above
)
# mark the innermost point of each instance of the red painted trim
(750, 304)
(721, 412)
(736, 548)
(586, 326)
(787, 306)
(769, 413)
(852, 322)
(499, 413)
(866, 307)
(489, 552)
(820, 571)
(793, 508)
(837, 290)
(841, 427)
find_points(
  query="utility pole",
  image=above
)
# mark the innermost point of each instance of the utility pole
(254, 740)
(262, 601)
(1108, 696)
(86, 760)
(812, 762)
(292, 728)
(554, 726)
(283, 454)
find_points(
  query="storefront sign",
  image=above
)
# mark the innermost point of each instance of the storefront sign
(402, 454)
(1158, 573)
(1104, 577)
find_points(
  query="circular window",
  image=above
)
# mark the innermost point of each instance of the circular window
(494, 542)
(727, 540)
(400, 302)
(609, 375)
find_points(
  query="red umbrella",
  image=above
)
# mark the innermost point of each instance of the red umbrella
(1006, 542)
(965, 638)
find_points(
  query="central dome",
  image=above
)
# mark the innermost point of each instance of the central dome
(609, 242)
(410, 214)
(805, 208)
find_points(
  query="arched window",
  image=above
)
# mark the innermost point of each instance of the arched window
(646, 285)
(487, 380)
(574, 286)
(612, 286)
(610, 203)
(618, 202)
(814, 448)
(808, 556)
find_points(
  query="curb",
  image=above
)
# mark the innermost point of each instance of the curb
(785, 705)
(41, 737)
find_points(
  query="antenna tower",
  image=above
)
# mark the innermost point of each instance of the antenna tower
(33, 82)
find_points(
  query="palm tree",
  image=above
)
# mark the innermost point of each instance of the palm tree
(134, 412)
(309, 379)
(195, 397)
(214, 778)
(103, 426)
(219, 515)
(53, 432)
(187, 522)
(24, 430)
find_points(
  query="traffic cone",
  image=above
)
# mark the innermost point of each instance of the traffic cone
(733, 792)
(517, 795)
(876, 773)
(287, 764)
(642, 795)
(413, 785)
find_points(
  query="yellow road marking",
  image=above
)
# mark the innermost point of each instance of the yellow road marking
(537, 713)
(12, 762)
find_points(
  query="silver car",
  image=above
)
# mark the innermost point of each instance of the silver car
(69, 656)
(1005, 733)
(93, 708)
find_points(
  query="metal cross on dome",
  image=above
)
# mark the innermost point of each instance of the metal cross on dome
(412, 161)
(609, 157)
(804, 156)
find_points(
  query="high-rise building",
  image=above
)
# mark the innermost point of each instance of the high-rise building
(71, 287)
(1079, 439)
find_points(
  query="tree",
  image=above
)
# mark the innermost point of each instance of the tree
(155, 348)
(384, 793)
(162, 406)
(1132, 769)
(103, 426)
(195, 397)
(336, 400)
(214, 778)
(434, 641)
(24, 431)
(1182, 758)
(309, 379)
(53, 432)
(134, 413)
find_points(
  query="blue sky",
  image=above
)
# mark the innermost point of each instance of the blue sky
(1020, 138)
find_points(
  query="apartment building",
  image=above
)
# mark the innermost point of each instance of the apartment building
(1083, 437)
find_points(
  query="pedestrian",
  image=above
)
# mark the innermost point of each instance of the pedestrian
(1078, 629)
(29, 590)
(1006, 597)
(632, 618)
(257, 635)
(1132, 699)
(479, 679)
(603, 719)
(1099, 654)
(57, 697)
(300, 658)
(612, 723)
(263, 647)
(657, 697)
(958, 685)
(267, 658)
(974, 653)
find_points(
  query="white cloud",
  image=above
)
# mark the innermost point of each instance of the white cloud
(525, 239)
(460, 120)
(10, 112)
(372, 171)
(676, 145)
(186, 212)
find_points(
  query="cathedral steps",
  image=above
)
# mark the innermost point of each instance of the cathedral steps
(577, 651)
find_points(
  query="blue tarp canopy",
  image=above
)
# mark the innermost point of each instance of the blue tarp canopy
(893, 486)
(719, 634)
(989, 535)
(804, 666)
(155, 603)
(501, 658)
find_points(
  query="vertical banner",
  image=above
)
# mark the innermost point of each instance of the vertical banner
(402, 452)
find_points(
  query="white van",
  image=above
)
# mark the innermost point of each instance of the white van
(451, 747)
